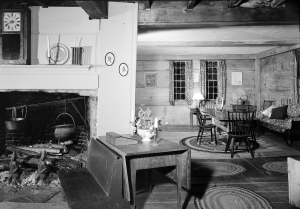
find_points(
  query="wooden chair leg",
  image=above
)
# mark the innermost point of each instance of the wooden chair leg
(197, 141)
(201, 136)
(232, 147)
(227, 143)
(215, 134)
(247, 144)
(251, 149)
(253, 134)
(289, 141)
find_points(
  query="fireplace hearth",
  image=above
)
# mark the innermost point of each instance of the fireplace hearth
(33, 84)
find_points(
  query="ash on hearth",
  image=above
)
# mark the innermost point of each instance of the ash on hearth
(29, 165)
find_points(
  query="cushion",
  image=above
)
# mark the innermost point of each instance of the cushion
(279, 112)
(293, 110)
(267, 112)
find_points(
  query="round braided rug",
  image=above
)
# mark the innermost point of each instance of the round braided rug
(217, 169)
(279, 166)
(230, 197)
(206, 144)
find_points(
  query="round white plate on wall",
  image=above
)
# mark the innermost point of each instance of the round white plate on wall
(123, 69)
(109, 59)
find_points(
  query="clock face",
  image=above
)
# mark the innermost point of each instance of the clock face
(12, 21)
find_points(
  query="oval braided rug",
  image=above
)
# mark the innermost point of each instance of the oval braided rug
(279, 166)
(229, 197)
(217, 169)
(206, 144)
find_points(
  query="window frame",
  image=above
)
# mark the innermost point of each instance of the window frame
(182, 86)
(213, 79)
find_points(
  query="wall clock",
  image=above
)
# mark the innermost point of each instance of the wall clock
(15, 36)
(123, 69)
(11, 21)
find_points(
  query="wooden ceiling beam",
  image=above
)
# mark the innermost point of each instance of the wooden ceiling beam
(190, 4)
(196, 56)
(219, 43)
(255, 3)
(234, 3)
(95, 9)
(147, 5)
(277, 3)
(171, 13)
(277, 50)
(42, 3)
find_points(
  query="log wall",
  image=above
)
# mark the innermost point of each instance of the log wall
(276, 78)
(157, 99)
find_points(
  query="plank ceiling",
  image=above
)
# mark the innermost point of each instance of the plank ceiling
(214, 28)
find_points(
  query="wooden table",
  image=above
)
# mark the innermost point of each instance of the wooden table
(244, 107)
(192, 112)
(145, 156)
(218, 118)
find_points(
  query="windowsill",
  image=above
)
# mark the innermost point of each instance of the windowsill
(181, 102)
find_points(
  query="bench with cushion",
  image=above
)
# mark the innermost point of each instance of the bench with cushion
(97, 186)
(284, 119)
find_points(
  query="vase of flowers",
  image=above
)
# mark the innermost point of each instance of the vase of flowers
(145, 134)
(146, 124)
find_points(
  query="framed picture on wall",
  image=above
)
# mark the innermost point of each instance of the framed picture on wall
(150, 79)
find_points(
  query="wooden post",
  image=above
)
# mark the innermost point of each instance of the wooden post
(257, 83)
(294, 182)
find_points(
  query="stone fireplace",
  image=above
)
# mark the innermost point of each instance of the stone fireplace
(43, 93)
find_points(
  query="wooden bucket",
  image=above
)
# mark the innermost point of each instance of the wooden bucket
(66, 131)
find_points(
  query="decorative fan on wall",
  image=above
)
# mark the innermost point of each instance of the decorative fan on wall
(239, 95)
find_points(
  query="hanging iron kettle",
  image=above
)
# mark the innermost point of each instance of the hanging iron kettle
(64, 132)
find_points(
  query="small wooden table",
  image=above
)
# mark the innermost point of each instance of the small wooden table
(145, 156)
(192, 113)
(244, 107)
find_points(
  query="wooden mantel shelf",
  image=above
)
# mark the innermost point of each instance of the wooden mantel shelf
(41, 69)
(48, 77)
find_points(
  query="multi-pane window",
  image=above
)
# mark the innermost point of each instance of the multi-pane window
(179, 80)
(211, 80)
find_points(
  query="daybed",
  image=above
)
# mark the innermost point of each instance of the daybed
(284, 119)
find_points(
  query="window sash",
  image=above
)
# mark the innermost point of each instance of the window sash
(211, 80)
(179, 80)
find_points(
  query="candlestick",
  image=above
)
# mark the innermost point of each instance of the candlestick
(155, 138)
(75, 42)
(48, 47)
(155, 123)
(80, 42)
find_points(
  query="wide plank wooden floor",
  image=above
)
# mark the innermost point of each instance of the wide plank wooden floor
(271, 185)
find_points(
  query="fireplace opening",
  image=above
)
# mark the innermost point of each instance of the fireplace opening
(40, 113)
(43, 112)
